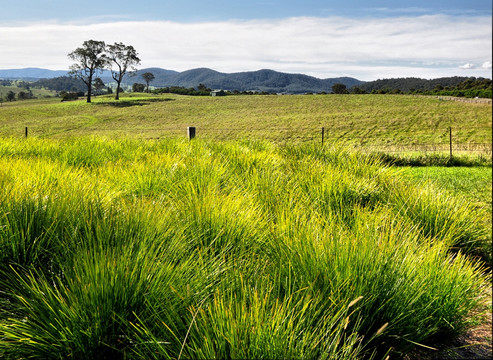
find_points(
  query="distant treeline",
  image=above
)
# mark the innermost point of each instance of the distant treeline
(202, 90)
(446, 86)
(62, 83)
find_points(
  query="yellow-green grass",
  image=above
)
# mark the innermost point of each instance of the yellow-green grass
(38, 93)
(375, 122)
(472, 183)
(169, 249)
(475, 183)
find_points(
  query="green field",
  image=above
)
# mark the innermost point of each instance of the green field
(120, 239)
(38, 93)
(392, 123)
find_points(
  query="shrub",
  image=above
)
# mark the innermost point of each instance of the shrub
(69, 95)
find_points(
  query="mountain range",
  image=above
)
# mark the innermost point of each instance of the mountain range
(261, 80)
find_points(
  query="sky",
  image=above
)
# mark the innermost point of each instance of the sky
(367, 40)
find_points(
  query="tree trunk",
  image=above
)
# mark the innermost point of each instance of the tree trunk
(89, 87)
(117, 97)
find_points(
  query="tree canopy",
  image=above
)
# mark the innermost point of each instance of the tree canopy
(339, 89)
(89, 59)
(148, 77)
(125, 57)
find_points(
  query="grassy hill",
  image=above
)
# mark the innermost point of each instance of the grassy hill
(371, 122)
(38, 93)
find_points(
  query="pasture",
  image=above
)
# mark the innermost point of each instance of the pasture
(121, 239)
(372, 122)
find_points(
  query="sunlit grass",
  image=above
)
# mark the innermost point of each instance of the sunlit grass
(170, 249)
(396, 122)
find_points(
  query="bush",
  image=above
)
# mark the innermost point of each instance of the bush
(69, 95)
(136, 87)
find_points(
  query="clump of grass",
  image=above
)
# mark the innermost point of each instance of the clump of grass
(225, 250)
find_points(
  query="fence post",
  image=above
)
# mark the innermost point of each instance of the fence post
(450, 138)
(323, 131)
(191, 132)
(25, 132)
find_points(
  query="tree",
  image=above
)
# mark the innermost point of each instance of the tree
(11, 96)
(358, 90)
(339, 89)
(23, 95)
(148, 77)
(125, 58)
(138, 87)
(90, 58)
(98, 85)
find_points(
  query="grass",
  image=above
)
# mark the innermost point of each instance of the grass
(241, 249)
(38, 93)
(115, 247)
(473, 183)
(373, 122)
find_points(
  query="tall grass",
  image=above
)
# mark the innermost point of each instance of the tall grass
(127, 249)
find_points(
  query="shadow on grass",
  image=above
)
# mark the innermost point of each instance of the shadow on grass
(434, 160)
(132, 102)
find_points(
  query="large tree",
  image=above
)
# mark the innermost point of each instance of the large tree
(339, 89)
(89, 59)
(125, 58)
(148, 77)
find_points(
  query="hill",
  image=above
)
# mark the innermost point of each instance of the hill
(261, 80)
(412, 84)
(30, 73)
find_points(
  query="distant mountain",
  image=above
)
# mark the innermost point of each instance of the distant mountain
(31, 73)
(161, 76)
(261, 80)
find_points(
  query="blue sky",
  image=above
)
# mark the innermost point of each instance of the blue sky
(213, 10)
(362, 39)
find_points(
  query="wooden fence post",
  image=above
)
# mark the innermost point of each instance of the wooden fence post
(323, 131)
(191, 132)
(25, 132)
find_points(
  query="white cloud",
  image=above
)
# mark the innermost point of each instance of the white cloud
(486, 65)
(468, 66)
(323, 47)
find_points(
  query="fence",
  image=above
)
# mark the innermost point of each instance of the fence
(390, 140)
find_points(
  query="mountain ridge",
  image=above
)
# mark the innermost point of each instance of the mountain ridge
(259, 80)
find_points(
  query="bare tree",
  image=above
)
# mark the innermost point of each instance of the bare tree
(148, 77)
(90, 58)
(125, 58)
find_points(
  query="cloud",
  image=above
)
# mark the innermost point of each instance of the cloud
(467, 66)
(486, 65)
(324, 47)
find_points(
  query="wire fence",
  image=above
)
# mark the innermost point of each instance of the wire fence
(391, 139)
